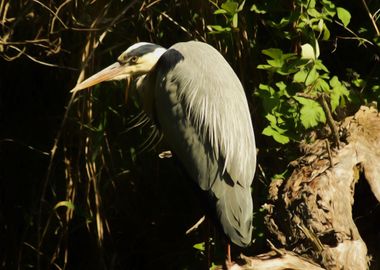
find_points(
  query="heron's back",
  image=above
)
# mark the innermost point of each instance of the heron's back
(203, 112)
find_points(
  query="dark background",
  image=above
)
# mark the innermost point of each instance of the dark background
(142, 203)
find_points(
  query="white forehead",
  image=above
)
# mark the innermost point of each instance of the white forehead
(138, 45)
(143, 48)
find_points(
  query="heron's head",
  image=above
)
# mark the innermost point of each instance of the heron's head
(137, 60)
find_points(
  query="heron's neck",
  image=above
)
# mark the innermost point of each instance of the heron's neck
(151, 60)
(145, 92)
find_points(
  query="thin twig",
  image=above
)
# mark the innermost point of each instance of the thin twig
(2, 42)
(11, 58)
(52, 12)
(56, 15)
(102, 36)
(176, 23)
(330, 119)
(353, 33)
(362, 40)
(196, 225)
(273, 247)
(49, 172)
(57, 139)
(25, 145)
(36, 60)
(149, 5)
(329, 152)
(371, 17)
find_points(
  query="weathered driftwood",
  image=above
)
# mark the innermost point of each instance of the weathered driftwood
(310, 214)
(277, 260)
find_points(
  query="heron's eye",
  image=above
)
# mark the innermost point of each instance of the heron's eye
(133, 59)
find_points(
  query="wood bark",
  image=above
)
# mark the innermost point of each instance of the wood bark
(309, 215)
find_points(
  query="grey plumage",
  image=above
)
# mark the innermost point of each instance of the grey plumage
(201, 108)
(204, 115)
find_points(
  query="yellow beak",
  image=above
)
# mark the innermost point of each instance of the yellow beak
(112, 72)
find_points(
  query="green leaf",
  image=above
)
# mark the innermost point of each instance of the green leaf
(316, 48)
(300, 76)
(67, 204)
(279, 175)
(271, 118)
(274, 130)
(311, 3)
(343, 15)
(291, 64)
(320, 25)
(276, 62)
(322, 85)
(314, 13)
(311, 112)
(312, 76)
(257, 9)
(358, 82)
(214, 266)
(278, 58)
(277, 136)
(219, 29)
(273, 53)
(220, 11)
(326, 32)
(283, 22)
(310, 52)
(270, 99)
(241, 6)
(338, 93)
(334, 101)
(328, 8)
(200, 246)
(320, 66)
(362, 30)
(307, 51)
(266, 67)
(230, 6)
(235, 20)
(282, 89)
(334, 81)
(267, 88)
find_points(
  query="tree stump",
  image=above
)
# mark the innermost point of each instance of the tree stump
(310, 214)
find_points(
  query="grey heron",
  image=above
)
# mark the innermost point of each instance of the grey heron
(202, 111)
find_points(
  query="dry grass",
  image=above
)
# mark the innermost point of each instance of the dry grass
(38, 31)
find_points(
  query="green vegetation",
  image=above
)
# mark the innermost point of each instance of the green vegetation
(82, 186)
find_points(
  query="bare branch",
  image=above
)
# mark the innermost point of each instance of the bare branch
(371, 17)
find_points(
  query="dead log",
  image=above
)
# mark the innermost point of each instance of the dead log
(309, 215)
(277, 260)
(311, 212)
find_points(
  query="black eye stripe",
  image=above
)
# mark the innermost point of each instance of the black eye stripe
(133, 55)
(128, 59)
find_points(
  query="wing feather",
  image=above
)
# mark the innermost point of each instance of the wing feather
(216, 104)
(202, 110)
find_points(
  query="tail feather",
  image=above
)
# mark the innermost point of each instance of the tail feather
(234, 210)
